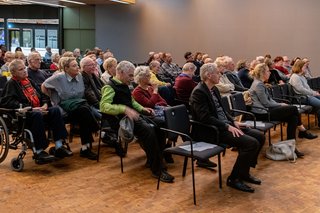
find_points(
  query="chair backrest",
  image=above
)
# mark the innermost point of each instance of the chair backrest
(238, 102)
(276, 91)
(177, 119)
(226, 104)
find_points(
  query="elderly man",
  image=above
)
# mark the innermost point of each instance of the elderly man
(232, 75)
(206, 108)
(19, 90)
(117, 101)
(35, 74)
(169, 69)
(184, 83)
(224, 86)
(92, 85)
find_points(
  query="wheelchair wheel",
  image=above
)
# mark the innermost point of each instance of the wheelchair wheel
(17, 164)
(4, 140)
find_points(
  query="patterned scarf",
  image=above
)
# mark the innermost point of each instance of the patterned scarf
(29, 92)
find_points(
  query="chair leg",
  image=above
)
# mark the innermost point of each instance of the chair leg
(99, 144)
(281, 132)
(193, 183)
(185, 166)
(269, 134)
(121, 162)
(219, 169)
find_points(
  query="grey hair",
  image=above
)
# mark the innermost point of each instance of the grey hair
(140, 72)
(32, 55)
(13, 66)
(207, 68)
(189, 67)
(153, 63)
(125, 66)
(84, 61)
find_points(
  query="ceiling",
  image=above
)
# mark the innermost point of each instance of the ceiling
(57, 3)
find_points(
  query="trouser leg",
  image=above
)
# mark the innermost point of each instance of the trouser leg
(56, 123)
(35, 124)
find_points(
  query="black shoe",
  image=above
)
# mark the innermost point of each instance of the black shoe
(238, 184)
(62, 152)
(307, 135)
(251, 179)
(298, 153)
(164, 177)
(43, 158)
(206, 163)
(88, 154)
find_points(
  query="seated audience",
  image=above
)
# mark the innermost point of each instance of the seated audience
(184, 83)
(206, 108)
(169, 69)
(243, 73)
(232, 75)
(66, 89)
(165, 88)
(307, 70)
(224, 86)
(20, 90)
(278, 64)
(190, 58)
(301, 87)
(92, 85)
(263, 103)
(37, 75)
(286, 63)
(54, 66)
(274, 78)
(109, 66)
(117, 101)
(8, 57)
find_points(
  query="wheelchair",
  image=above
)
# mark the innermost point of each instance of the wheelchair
(12, 126)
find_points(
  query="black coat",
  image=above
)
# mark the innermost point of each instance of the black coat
(12, 95)
(204, 110)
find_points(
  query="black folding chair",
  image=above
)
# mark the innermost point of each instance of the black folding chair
(177, 120)
(239, 108)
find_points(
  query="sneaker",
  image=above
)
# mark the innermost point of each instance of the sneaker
(164, 177)
(88, 154)
(63, 152)
(206, 163)
(307, 135)
(43, 158)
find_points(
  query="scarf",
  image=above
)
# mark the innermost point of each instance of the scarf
(29, 92)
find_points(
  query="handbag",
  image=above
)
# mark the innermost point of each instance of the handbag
(284, 150)
(72, 104)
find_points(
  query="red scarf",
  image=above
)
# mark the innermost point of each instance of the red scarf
(29, 92)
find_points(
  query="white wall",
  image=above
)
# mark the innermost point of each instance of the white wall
(238, 28)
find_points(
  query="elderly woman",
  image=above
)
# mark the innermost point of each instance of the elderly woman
(19, 90)
(8, 57)
(146, 93)
(301, 86)
(109, 65)
(66, 89)
(55, 62)
(278, 111)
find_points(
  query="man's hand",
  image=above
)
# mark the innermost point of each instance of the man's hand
(131, 113)
(235, 131)
(149, 111)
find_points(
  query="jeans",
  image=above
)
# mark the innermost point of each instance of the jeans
(313, 101)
